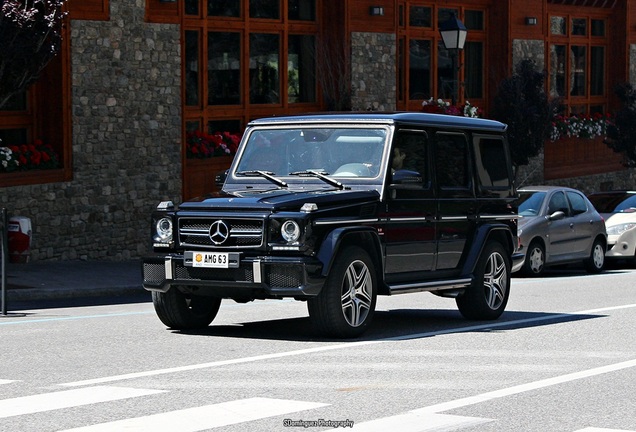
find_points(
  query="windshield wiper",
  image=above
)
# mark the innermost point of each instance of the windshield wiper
(265, 174)
(321, 176)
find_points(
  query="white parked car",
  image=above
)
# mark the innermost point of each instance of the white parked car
(619, 210)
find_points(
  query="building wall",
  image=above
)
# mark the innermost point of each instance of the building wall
(373, 71)
(533, 173)
(528, 49)
(126, 141)
(632, 64)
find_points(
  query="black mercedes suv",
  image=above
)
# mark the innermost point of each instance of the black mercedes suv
(337, 209)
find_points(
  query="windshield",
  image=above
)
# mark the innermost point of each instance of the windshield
(336, 152)
(529, 203)
(613, 203)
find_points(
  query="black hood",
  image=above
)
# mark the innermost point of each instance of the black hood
(279, 199)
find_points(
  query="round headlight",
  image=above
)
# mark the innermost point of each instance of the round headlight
(164, 228)
(290, 231)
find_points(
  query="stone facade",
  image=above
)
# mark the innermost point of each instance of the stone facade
(373, 71)
(126, 153)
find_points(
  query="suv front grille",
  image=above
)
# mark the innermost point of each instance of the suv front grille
(221, 232)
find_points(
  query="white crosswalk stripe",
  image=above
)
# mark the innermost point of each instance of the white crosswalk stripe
(222, 414)
(205, 417)
(67, 399)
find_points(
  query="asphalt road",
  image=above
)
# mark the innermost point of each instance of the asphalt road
(562, 358)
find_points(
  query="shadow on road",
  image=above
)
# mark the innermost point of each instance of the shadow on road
(20, 305)
(392, 324)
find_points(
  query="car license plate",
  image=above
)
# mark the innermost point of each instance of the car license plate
(211, 259)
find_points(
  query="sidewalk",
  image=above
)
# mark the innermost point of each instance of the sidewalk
(45, 280)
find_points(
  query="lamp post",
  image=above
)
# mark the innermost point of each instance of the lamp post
(453, 33)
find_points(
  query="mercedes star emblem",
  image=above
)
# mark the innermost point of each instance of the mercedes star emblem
(219, 232)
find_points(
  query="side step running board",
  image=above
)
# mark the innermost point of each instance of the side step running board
(429, 286)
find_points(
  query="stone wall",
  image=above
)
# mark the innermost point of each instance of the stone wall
(373, 72)
(126, 153)
(616, 180)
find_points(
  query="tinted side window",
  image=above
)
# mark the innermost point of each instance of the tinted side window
(409, 159)
(577, 202)
(451, 161)
(491, 164)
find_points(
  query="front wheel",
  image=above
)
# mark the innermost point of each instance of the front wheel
(345, 306)
(535, 260)
(487, 296)
(181, 311)
(596, 262)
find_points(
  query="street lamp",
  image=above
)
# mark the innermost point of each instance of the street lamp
(453, 33)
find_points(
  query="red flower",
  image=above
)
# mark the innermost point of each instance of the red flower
(36, 157)
(202, 145)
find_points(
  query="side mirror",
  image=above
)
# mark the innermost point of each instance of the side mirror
(406, 177)
(557, 215)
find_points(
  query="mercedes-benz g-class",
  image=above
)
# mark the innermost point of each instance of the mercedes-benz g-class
(336, 209)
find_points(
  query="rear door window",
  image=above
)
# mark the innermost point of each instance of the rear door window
(491, 162)
(577, 202)
(452, 161)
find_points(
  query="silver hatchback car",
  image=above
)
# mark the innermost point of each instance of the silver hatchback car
(559, 225)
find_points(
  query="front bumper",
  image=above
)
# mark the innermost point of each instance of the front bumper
(621, 246)
(258, 277)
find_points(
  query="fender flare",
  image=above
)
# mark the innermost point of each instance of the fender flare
(333, 242)
(479, 242)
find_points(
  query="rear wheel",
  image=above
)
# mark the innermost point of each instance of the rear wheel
(180, 311)
(596, 262)
(345, 306)
(487, 296)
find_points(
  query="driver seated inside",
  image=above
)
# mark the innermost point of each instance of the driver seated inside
(398, 173)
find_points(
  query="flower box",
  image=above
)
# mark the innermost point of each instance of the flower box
(206, 156)
(26, 157)
(575, 157)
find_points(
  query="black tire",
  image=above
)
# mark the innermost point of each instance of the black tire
(487, 296)
(596, 262)
(345, 306)
(181, 311)
(534, 264)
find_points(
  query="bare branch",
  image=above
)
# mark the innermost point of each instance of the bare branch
(30, 36)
